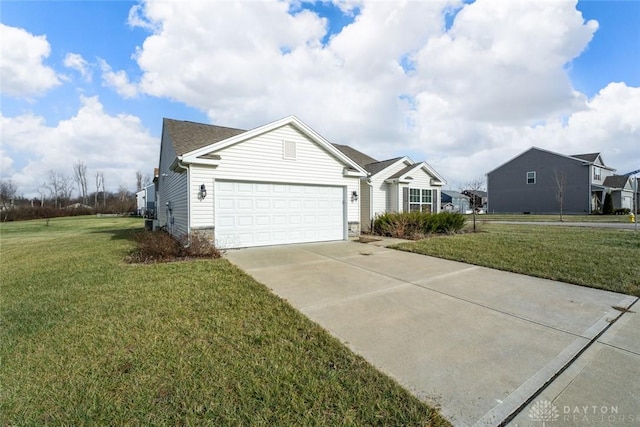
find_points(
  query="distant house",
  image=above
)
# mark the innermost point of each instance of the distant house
(453, 201)
(530, 182)
(477, 198)
(395, 185)
(146, 201)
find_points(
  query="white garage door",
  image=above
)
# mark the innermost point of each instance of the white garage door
(260, 214)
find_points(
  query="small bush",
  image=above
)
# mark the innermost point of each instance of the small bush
(201, 246)
(158, 246)
(607, 208)
(415, 225)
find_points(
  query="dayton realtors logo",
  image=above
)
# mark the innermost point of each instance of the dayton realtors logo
(544, 411)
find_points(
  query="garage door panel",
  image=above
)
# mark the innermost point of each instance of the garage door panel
(259, 214)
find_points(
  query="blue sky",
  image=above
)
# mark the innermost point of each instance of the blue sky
(462, 85)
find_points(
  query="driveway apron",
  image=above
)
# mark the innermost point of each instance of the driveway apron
(478, 343)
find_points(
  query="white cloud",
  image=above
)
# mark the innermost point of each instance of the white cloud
(22, 71)
(608, 124)
(118, 80)
(117, 145)
(395, 80)
(76, 62)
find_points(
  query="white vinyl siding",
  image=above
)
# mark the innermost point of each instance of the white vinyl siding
(385, 196)
(172, 188)
(260, 159)
(202, 210)
(365, 205)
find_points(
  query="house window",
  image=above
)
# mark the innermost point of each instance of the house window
(289, 150)
(597, 173)
(420, 200)
(531, 177)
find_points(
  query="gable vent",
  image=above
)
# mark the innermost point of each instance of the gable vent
(289, 150)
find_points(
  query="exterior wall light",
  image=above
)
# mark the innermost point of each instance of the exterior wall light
(203, 192)
(354, 196)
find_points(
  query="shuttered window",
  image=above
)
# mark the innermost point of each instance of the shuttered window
(420, 200)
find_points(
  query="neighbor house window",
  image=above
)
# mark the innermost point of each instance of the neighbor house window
(597, 173)
(531, 177)
(289, 150)
(420, 200)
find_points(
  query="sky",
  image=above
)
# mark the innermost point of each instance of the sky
(462, 85)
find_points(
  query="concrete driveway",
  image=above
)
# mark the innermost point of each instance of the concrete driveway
(477, 343)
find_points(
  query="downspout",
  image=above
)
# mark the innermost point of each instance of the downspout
(370, 184)
(186, 169)
(590, 198)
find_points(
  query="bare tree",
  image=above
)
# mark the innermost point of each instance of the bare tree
(124, 199)
(471, 189)
(80, 176)
(60, 188)
(560, 179)
(42, 191)
(100, 185)
(138, 180)
(8, 191)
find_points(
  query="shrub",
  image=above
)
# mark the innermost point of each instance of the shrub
(25, 213)
(623, 211)
(156, 246)
(201, 246)
(412, 225)
(607, 208)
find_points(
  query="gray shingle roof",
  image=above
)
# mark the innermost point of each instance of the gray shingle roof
(357, 156)
(374, 168)
(369, 164)
(454, 194)
(616, 181)
(188, 136)
(403, 171)
(590, 157)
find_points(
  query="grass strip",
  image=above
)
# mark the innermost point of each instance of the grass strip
(600, 258)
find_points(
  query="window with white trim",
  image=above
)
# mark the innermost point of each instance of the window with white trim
(420, 200)
(531, 177)
(597, 173)
(289, 150)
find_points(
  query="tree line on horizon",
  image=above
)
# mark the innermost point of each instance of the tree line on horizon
(65, 195)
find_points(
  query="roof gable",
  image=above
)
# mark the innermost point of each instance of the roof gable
(589, 157)
(401, 174)
(617, 181)
(206, 153)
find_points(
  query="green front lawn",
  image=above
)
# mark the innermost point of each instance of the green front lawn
(550, 218)
(600, 258)
(89, 340)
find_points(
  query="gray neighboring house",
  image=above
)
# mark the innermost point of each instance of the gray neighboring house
(453, 201)
(527, 183)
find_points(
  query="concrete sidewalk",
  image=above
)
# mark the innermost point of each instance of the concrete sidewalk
(477, 343)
